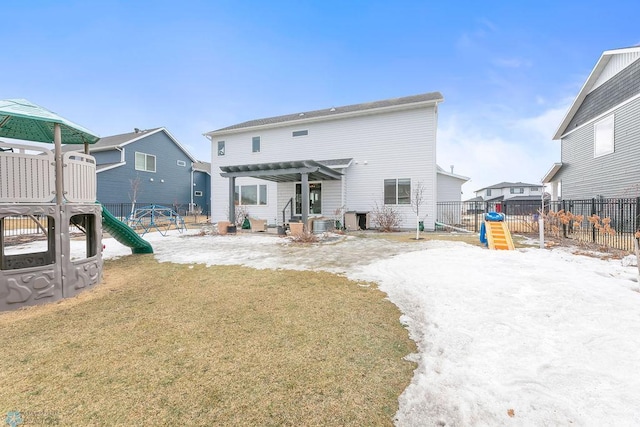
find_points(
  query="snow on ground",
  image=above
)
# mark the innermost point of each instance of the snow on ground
(526, 337)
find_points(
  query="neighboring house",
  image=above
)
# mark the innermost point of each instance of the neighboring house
(600, 134)
(340, 159)
(150, 165)
(449, 185)
(509, 191)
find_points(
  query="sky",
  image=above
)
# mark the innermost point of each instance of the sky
(508, 71)
(525, 337)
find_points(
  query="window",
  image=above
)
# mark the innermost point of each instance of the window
(220, 148)
(300, 133)
(197, 193)
(603, 137)
(255, 144)
(251, 195)
(488, 192)
(397, 191)
(145, 162)
(82, 227)
(516, 190)
(41, 251)
(181, 163)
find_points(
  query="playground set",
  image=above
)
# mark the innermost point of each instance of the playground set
(57, 192)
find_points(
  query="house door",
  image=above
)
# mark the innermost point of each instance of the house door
(315, 198)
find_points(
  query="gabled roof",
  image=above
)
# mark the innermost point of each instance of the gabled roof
(509, 185)
(610, 63)
(118, 141)
(329, 113)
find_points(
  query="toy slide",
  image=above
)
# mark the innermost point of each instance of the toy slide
(494, 232)
(498, 236)
(124, 234)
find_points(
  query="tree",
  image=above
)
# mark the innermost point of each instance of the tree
(134, 186)
(417, 199)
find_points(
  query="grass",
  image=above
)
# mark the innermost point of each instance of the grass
(169, 344)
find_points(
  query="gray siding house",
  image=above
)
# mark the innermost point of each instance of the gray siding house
(152, 167)
(600, 134)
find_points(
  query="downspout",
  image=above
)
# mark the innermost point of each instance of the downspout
(191, 190)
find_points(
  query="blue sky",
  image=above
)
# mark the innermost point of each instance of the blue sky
(508, 70)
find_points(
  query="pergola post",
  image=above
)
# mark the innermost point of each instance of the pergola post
(305, 198)
(232, 201)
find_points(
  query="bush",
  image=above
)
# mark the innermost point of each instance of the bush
(385, 217)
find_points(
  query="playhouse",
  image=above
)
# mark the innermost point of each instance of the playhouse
(48, 199)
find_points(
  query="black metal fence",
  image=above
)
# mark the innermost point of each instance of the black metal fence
(123, 210)
(33, 225)
(622, 216)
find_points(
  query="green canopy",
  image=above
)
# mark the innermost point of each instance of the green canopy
(21, 119)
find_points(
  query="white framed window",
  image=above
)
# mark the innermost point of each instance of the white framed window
(255, 144)
(516, 190)
(181, 163)
(488, 192)
(603, 138)
(145, 162)
(197, 193)
(250, 195)
(221, 148)
(397, 191)
(296, 133)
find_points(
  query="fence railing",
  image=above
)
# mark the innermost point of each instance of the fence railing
(16, 227)
(522, 218)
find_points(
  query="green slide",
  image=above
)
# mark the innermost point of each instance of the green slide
(124, 234)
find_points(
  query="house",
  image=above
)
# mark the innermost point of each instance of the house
(509, 191)
(355, 159)
(149, 167)
(449, 185)
(600, 134)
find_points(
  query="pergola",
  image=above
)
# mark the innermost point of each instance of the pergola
(291, 171)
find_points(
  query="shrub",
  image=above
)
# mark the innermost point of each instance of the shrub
(385, 217)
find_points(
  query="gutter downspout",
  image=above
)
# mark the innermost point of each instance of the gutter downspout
(191, 190)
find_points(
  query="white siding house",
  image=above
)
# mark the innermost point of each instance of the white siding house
(342, 159)
(509, 190)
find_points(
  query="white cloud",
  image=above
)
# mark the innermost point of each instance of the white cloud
(491, 149)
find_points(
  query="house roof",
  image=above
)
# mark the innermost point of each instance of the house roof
(451, 174)
(605, 68)
(329, 113)
(509, 185)
(118, 141)
(202, 167)
(548, 177)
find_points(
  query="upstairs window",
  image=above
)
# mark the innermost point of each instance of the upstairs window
(603, 137)
(145, 162)
(516, 190)
(221, 148)
(397, 191)
(300, 133)
(181, 163)
(255, 144)
(488, 192)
